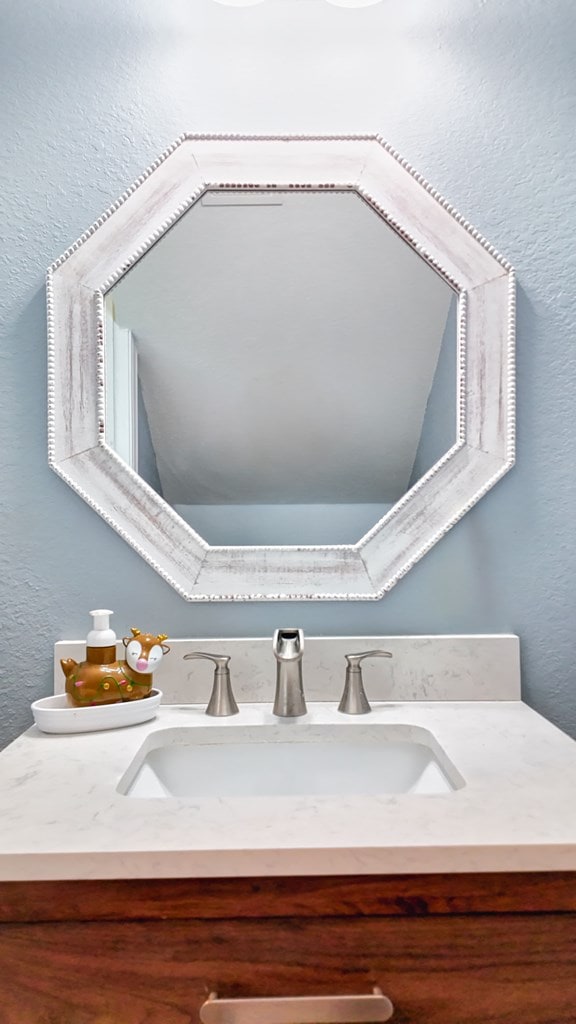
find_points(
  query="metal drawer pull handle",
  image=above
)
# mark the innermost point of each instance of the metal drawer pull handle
(298, 1010)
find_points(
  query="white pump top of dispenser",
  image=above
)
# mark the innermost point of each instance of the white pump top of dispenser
(101, 635)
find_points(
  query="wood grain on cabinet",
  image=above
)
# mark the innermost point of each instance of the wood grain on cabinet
(342, 896)
(446, 949)
(501, 969)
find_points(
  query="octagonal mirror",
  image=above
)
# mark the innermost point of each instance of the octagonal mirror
(281, 368)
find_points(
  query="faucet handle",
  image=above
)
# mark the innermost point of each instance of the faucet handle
(354, 700)
(222, 701)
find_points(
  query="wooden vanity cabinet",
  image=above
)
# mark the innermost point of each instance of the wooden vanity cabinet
(446, 949)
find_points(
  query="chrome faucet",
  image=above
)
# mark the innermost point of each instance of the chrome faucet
(288, 647)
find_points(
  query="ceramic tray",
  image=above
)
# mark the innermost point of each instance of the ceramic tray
(55, 714)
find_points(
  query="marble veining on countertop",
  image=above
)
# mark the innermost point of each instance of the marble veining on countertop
(64, 818)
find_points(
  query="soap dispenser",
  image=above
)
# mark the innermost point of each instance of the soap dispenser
(100, 679)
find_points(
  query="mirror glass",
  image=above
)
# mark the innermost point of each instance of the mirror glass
(281, 367)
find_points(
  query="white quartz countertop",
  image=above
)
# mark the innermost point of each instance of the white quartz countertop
(62, 816)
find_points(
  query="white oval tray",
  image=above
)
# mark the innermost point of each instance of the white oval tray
(55, 714)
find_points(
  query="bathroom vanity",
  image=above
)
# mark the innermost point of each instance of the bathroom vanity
(138, 878)
(445, 948)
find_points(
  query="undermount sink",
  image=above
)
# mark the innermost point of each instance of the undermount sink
(292, 759)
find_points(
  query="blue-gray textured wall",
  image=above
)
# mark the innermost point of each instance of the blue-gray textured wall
(480, 95)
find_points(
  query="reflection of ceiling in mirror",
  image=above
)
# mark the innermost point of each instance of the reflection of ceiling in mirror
(287, 344)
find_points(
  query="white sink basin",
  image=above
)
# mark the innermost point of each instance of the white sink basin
(290, 759)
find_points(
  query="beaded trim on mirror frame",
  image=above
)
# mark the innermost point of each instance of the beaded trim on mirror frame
(232, 137)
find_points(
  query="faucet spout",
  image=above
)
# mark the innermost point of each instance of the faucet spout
(288, 648)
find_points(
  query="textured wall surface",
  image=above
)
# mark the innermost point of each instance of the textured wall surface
(480, 96)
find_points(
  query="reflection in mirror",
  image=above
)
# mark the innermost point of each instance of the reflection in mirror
(281, 367)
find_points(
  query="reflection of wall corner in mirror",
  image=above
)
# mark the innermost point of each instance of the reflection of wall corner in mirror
(439, 426)
(121, 389)
(313, 275)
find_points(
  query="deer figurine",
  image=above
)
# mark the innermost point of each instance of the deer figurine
(144, 652)
(101, 678)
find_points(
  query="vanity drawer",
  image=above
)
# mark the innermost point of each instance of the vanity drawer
(502, 969)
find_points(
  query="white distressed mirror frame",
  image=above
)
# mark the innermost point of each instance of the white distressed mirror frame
(484, 448)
